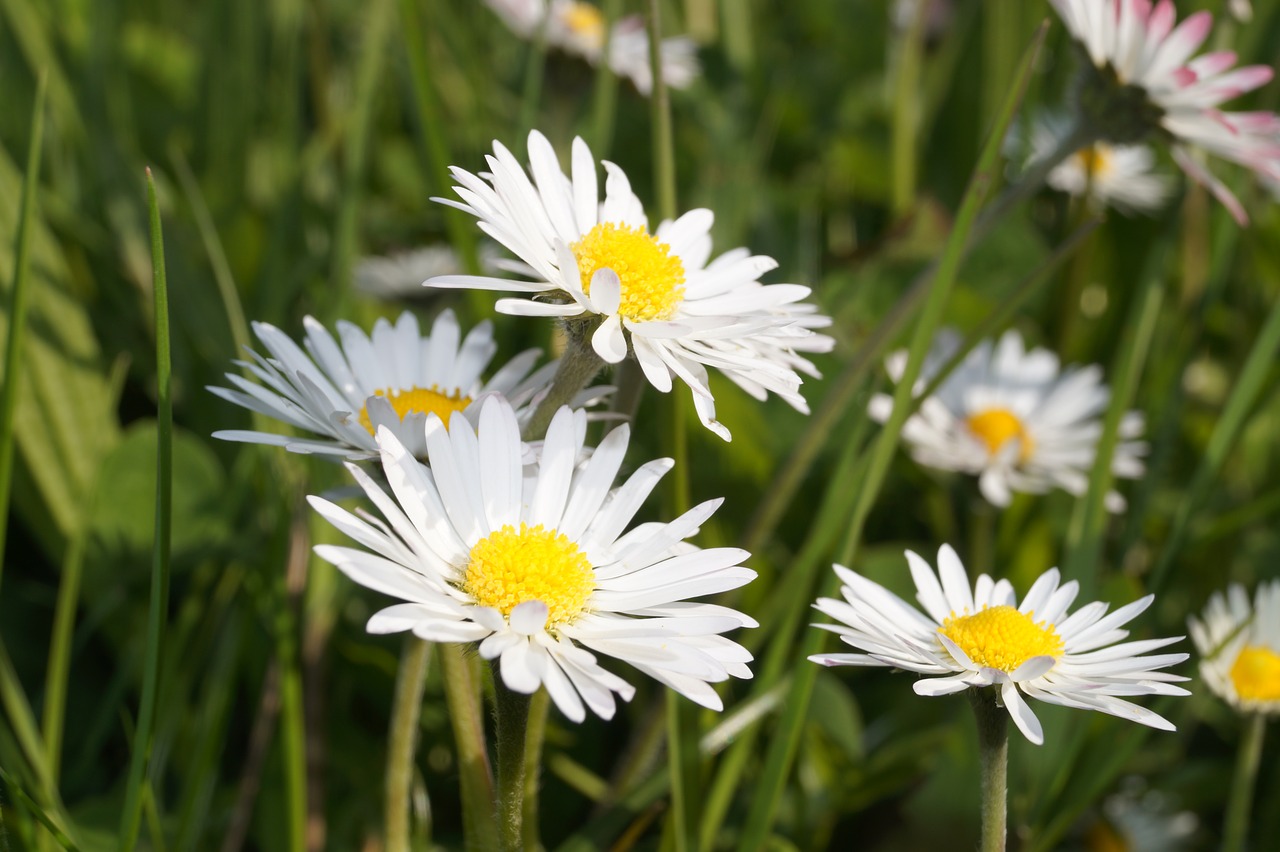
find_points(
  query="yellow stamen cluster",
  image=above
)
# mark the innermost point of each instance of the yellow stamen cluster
(1095, 160)
(430, 400)
(1001, 637)
(511, 566)
(1256, 674)
(652, 277)
(997, 426)
(585, 20)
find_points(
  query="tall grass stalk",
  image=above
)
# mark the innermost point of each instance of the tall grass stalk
(907, 105)
(159, 605)
(795, 713)
(19, 288)
(604, 96)
(402, 742)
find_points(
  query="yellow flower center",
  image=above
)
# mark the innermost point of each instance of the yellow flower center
(997, 426)
(1256, 674)
(1095, 161)
(652, 277)
(1001, 637)
(509, 567)
(426, 400)
(585, 20)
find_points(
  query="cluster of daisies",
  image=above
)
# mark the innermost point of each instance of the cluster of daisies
(498, 523)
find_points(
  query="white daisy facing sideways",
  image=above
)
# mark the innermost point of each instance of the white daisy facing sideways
(342, 392)
(980, 636)
(1118, 176)
(656, 295)
(1147, 82)
(578, 28)
(1239, 647)
(540, 569)
(1014, 418)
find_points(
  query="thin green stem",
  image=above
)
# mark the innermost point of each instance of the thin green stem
(57, 673)
(402, 742)
(18, 308)
(511, 712)
(993, 758)
(432, 125)
(1240, 805)
(535, 737)
(907, 104)
(664, 160)
(462, 693)
(578, 365)
(534, 67)
(604, 98)
(159, 604)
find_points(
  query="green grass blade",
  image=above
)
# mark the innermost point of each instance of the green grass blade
(57, 672)
(131, 814)
(18, 310)
(1248, 386)
(783, 748)
(1088, 522)
(34, 807)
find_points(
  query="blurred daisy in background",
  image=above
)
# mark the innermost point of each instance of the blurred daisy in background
(1143, 83)
(656, 295)
(1014, 418)
(980, 636)
(1138, 819)
(540, 569)
(578, 28)
(1119, 176)
(1239, 647)
(398, 276)
(394, 377)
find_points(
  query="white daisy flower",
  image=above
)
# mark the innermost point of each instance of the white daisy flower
(393, 377)
(1013, 418)
(651, 294)
(537, 568)
(578, 28)
(1239, 647)
(1119, 176)
(980, 636)
(1146, 81)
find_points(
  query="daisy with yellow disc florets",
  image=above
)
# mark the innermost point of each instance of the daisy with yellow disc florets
(1239, 647)
(541, 569)
(980, 636)
(341, 391)
(658, 295)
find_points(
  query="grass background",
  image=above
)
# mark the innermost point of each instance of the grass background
(288, 138)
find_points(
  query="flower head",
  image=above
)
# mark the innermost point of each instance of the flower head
(1143, 82)
(1239, 647)
(1119, 176)
(578, 28)
(393, 377)
(980, 636)
(656, 294)
(540, 569)
(1012, 417)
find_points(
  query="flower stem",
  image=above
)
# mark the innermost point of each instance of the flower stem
(536, 731)
(605, 95)
(578, 365)
(402, 741)
(475, 779)
(512, 713)
(993, 755)
(1241, 802)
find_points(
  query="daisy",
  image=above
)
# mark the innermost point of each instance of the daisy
(1146, 82)
(657, 295)
(538, 568)
(980, 637)
(1118, 176)
(393, 377)
(1239, 647)
(578, 28)
(1015, 419)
